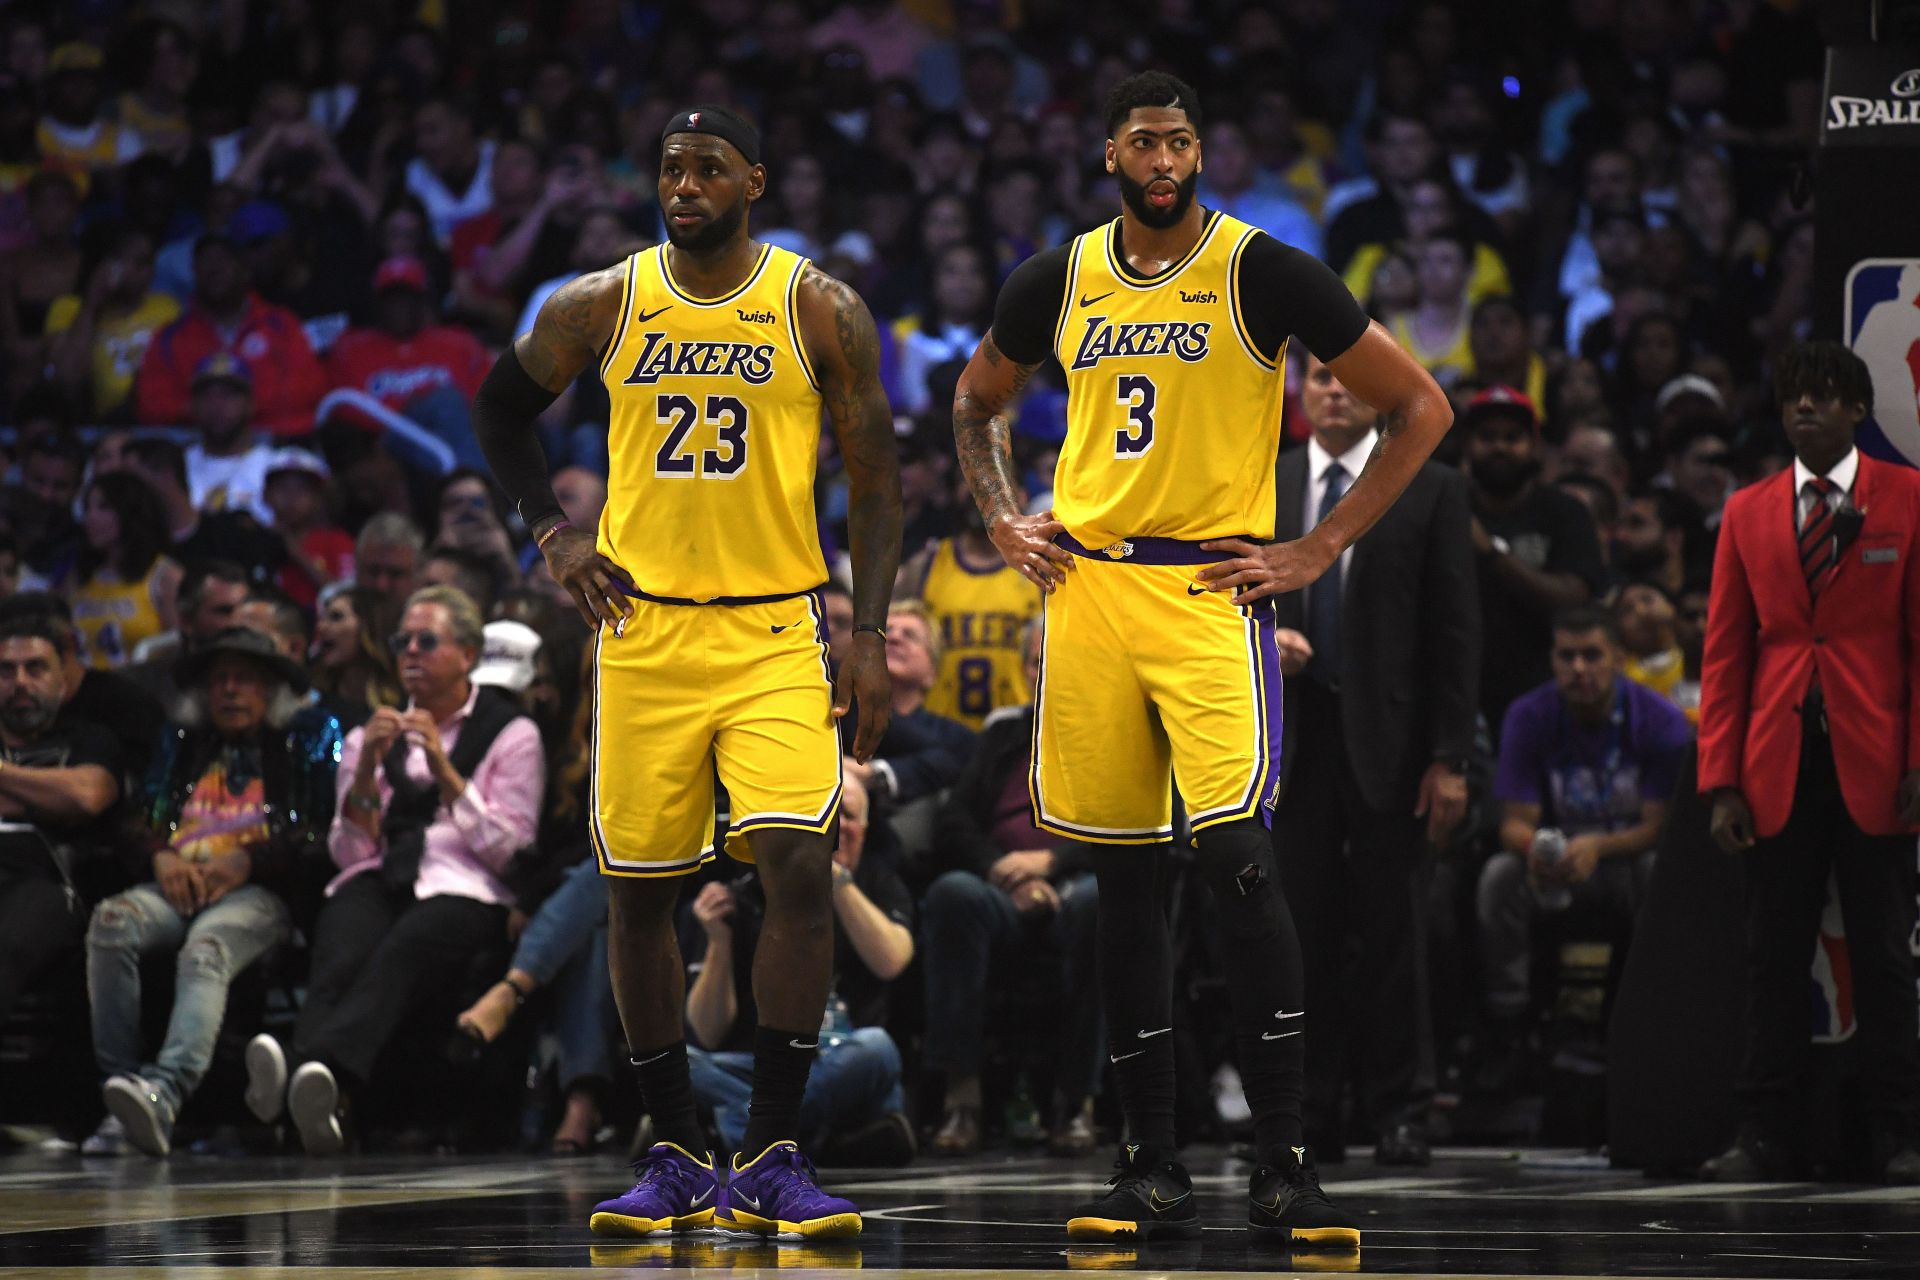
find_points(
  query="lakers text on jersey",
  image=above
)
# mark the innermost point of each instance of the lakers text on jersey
(1173, 415)
(981, 614)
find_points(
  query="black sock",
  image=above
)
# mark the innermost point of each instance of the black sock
(666, 1086)
(1269, 1011)
(1136, 985)
(781, 1063)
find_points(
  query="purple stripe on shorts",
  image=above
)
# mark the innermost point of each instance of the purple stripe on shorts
(1273, 712)
(1145, 551)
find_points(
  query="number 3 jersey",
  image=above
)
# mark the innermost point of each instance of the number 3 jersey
(713, 437)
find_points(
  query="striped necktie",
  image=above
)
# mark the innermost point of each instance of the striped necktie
(1817, 547)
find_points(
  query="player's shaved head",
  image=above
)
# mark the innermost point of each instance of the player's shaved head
(1151, 89)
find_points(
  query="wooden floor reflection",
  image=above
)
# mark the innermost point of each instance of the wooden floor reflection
(1474, 1214)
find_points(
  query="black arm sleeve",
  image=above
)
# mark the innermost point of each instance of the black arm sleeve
(503, 412)
(1285, 292)
(1028, 312)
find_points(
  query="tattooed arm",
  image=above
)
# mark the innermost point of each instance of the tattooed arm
(844, 348)
(570, 331)
(989, 384)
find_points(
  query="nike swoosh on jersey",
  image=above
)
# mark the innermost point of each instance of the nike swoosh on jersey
(645, 316)
(1087, 302)
(779, 629)
(1195, 591)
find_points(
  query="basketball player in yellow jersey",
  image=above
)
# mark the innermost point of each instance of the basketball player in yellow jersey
(1158, 564)
(981, 607)
(719, 355)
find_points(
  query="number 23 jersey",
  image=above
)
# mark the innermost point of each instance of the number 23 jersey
(714, 435)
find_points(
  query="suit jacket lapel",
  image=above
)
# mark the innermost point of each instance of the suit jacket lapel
(1780, 538)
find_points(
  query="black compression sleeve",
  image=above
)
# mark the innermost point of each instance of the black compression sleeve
(503, 412)
(1284, 292)
(1028, 312)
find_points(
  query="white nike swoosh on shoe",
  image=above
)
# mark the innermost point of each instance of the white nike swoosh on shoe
(747, 1200)
(1279, 1035)
(700, 1199)
(1148, 1035)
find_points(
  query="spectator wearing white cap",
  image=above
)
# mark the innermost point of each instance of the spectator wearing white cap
(318, 552)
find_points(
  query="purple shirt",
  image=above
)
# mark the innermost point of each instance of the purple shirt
(1591, 778)
(469, 842)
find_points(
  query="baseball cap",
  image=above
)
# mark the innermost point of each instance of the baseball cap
(302, 460)
(401, 272)
(1503, 399)
(506, 655)
(223, 366)
(1688, 384)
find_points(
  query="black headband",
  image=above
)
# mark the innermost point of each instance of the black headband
(721, 123)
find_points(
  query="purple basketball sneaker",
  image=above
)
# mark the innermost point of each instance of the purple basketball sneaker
(675, 1191)
(777, 1193)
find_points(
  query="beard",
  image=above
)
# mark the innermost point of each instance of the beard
(1502, 477)
(724, 226)
(26, 718)
(1135, 196)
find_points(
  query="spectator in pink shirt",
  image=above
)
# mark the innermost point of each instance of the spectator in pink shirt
(434, 801)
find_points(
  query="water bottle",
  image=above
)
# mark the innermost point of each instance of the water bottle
(1549, 844)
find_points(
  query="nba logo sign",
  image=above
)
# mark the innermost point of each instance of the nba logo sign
(1883, 328)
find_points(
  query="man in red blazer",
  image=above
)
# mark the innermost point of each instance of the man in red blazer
(1810, 750)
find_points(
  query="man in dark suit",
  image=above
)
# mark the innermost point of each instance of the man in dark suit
(1377, 734)
(1810, 750)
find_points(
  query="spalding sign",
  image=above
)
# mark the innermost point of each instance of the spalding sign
(1872, 97)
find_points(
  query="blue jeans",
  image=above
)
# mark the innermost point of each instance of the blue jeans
(213, 946)
(964, 923)
(855, 1081)
(565, 946)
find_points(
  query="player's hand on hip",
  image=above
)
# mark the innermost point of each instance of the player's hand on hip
(1026, 544)
(1259, 570)
(600, 588)
(863, 677)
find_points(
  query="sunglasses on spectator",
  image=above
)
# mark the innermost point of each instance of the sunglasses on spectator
(400, 641)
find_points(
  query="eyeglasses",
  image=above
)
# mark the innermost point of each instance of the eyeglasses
(399, 642)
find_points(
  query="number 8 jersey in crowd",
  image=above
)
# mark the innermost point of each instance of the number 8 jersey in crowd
(1173, 415)
(713, 437)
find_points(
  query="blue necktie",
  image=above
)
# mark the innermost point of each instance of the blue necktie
(1323, 597)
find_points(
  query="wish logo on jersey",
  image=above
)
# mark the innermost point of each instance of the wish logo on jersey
(1103, 339)
(661, 356)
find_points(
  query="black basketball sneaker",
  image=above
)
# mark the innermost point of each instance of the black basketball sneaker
(1288, 1203)
(1146, 1201)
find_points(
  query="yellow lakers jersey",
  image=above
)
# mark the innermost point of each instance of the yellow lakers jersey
(1173, 416)
(980, 614)
(110, 617)
(713, 437)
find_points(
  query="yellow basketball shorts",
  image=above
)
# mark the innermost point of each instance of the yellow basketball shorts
(1148, 680)
(684, 691)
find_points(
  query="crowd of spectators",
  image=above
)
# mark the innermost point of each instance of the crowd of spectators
(292, 683)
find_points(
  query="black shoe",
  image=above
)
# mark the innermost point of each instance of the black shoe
(1753, 1157)
(1288, 1203)
(1403, 1145)
(1147, 1201)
